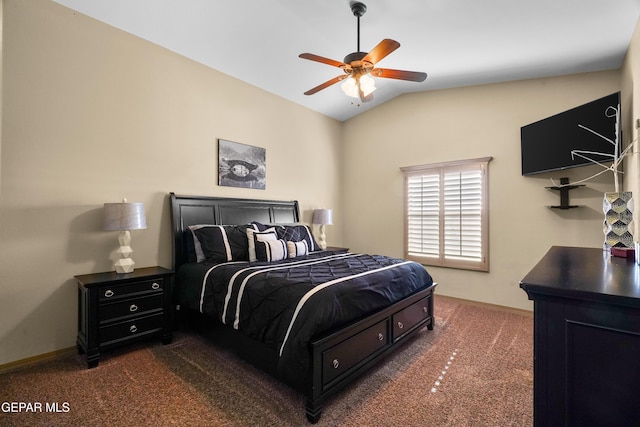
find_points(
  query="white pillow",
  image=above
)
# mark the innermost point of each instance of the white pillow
(297, 249)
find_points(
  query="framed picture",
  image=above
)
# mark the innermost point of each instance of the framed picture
(241, 165)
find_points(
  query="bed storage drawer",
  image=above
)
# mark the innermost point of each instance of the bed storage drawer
(339, 358)
(405, 320)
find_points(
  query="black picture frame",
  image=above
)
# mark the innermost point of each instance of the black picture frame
(241, 165)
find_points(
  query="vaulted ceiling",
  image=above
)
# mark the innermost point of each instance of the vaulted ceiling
(456, 42)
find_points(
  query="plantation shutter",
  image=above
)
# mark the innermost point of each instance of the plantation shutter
(446, 220)
(423, 217)
(463, 215)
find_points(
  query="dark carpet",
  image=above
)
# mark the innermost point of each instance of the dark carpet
(474, 369)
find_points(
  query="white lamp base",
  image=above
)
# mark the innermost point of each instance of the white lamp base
(323, 238)
(125, 264)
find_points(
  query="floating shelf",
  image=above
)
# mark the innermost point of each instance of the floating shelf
(564, 188)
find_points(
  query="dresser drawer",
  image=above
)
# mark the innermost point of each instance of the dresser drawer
(406, 319)
(130, 328)
(109, 293)
(339, 358)
(130, 307)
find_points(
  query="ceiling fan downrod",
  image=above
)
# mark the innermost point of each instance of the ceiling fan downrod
(358, 10)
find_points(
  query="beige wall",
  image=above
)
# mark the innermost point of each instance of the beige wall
(468, 123)
(92, 115)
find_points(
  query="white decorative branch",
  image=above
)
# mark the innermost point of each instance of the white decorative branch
(616, 157)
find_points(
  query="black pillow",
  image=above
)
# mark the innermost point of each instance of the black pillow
(222, 243)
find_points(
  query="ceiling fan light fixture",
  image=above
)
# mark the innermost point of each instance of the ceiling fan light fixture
(365, 83)
(350, 87)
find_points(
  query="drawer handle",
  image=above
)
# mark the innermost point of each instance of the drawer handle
(400, 325)
(425, 309)
(108, 293)
(380, 337)
(155, 286)
(133, 308)
(133, 329)
(335, 363)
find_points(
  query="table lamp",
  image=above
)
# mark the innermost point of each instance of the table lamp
(322, 217)
(124, 217)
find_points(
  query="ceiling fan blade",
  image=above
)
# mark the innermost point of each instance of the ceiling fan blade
(312, 57)
(384, 48)
(325, 85)
(413, 76)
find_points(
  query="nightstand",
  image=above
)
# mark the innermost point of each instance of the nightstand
(117, 309)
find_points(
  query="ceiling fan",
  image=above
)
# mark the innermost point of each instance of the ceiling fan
(359, 66)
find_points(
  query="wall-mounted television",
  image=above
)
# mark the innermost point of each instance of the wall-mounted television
(546, 145)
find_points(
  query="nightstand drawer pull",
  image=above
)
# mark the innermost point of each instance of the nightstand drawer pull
(400, 325)
(133, 308)
(108, 293)
(133, 329)
(380, 337)
(336, 363)
(425, 309)
(155, 286)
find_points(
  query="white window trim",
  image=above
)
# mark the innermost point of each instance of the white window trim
(440, 260)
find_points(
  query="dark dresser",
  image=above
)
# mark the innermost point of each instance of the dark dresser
(117, 309)
(586, 338)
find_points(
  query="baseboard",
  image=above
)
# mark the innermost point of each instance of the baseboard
(488, 305)
(37, 359)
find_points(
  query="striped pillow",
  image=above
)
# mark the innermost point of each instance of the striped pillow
(254, 236)
(271, 250)
(297, 249)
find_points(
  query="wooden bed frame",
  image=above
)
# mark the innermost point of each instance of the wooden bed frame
(336, 358)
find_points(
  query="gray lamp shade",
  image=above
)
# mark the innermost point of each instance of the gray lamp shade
(322, 217)
(124, 216)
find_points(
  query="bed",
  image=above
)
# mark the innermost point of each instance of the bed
(314, 319)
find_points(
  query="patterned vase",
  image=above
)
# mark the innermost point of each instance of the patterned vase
(618, 216)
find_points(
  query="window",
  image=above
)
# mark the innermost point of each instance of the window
(447, 215)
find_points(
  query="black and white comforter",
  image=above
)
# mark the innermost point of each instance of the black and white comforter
(284, 304)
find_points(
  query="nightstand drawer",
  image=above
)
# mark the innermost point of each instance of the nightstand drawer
(130, 307)
(131, 328)
(108, 293)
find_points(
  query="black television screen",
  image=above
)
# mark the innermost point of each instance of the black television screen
(547, 144)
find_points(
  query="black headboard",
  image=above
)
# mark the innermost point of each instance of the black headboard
(192, 210)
